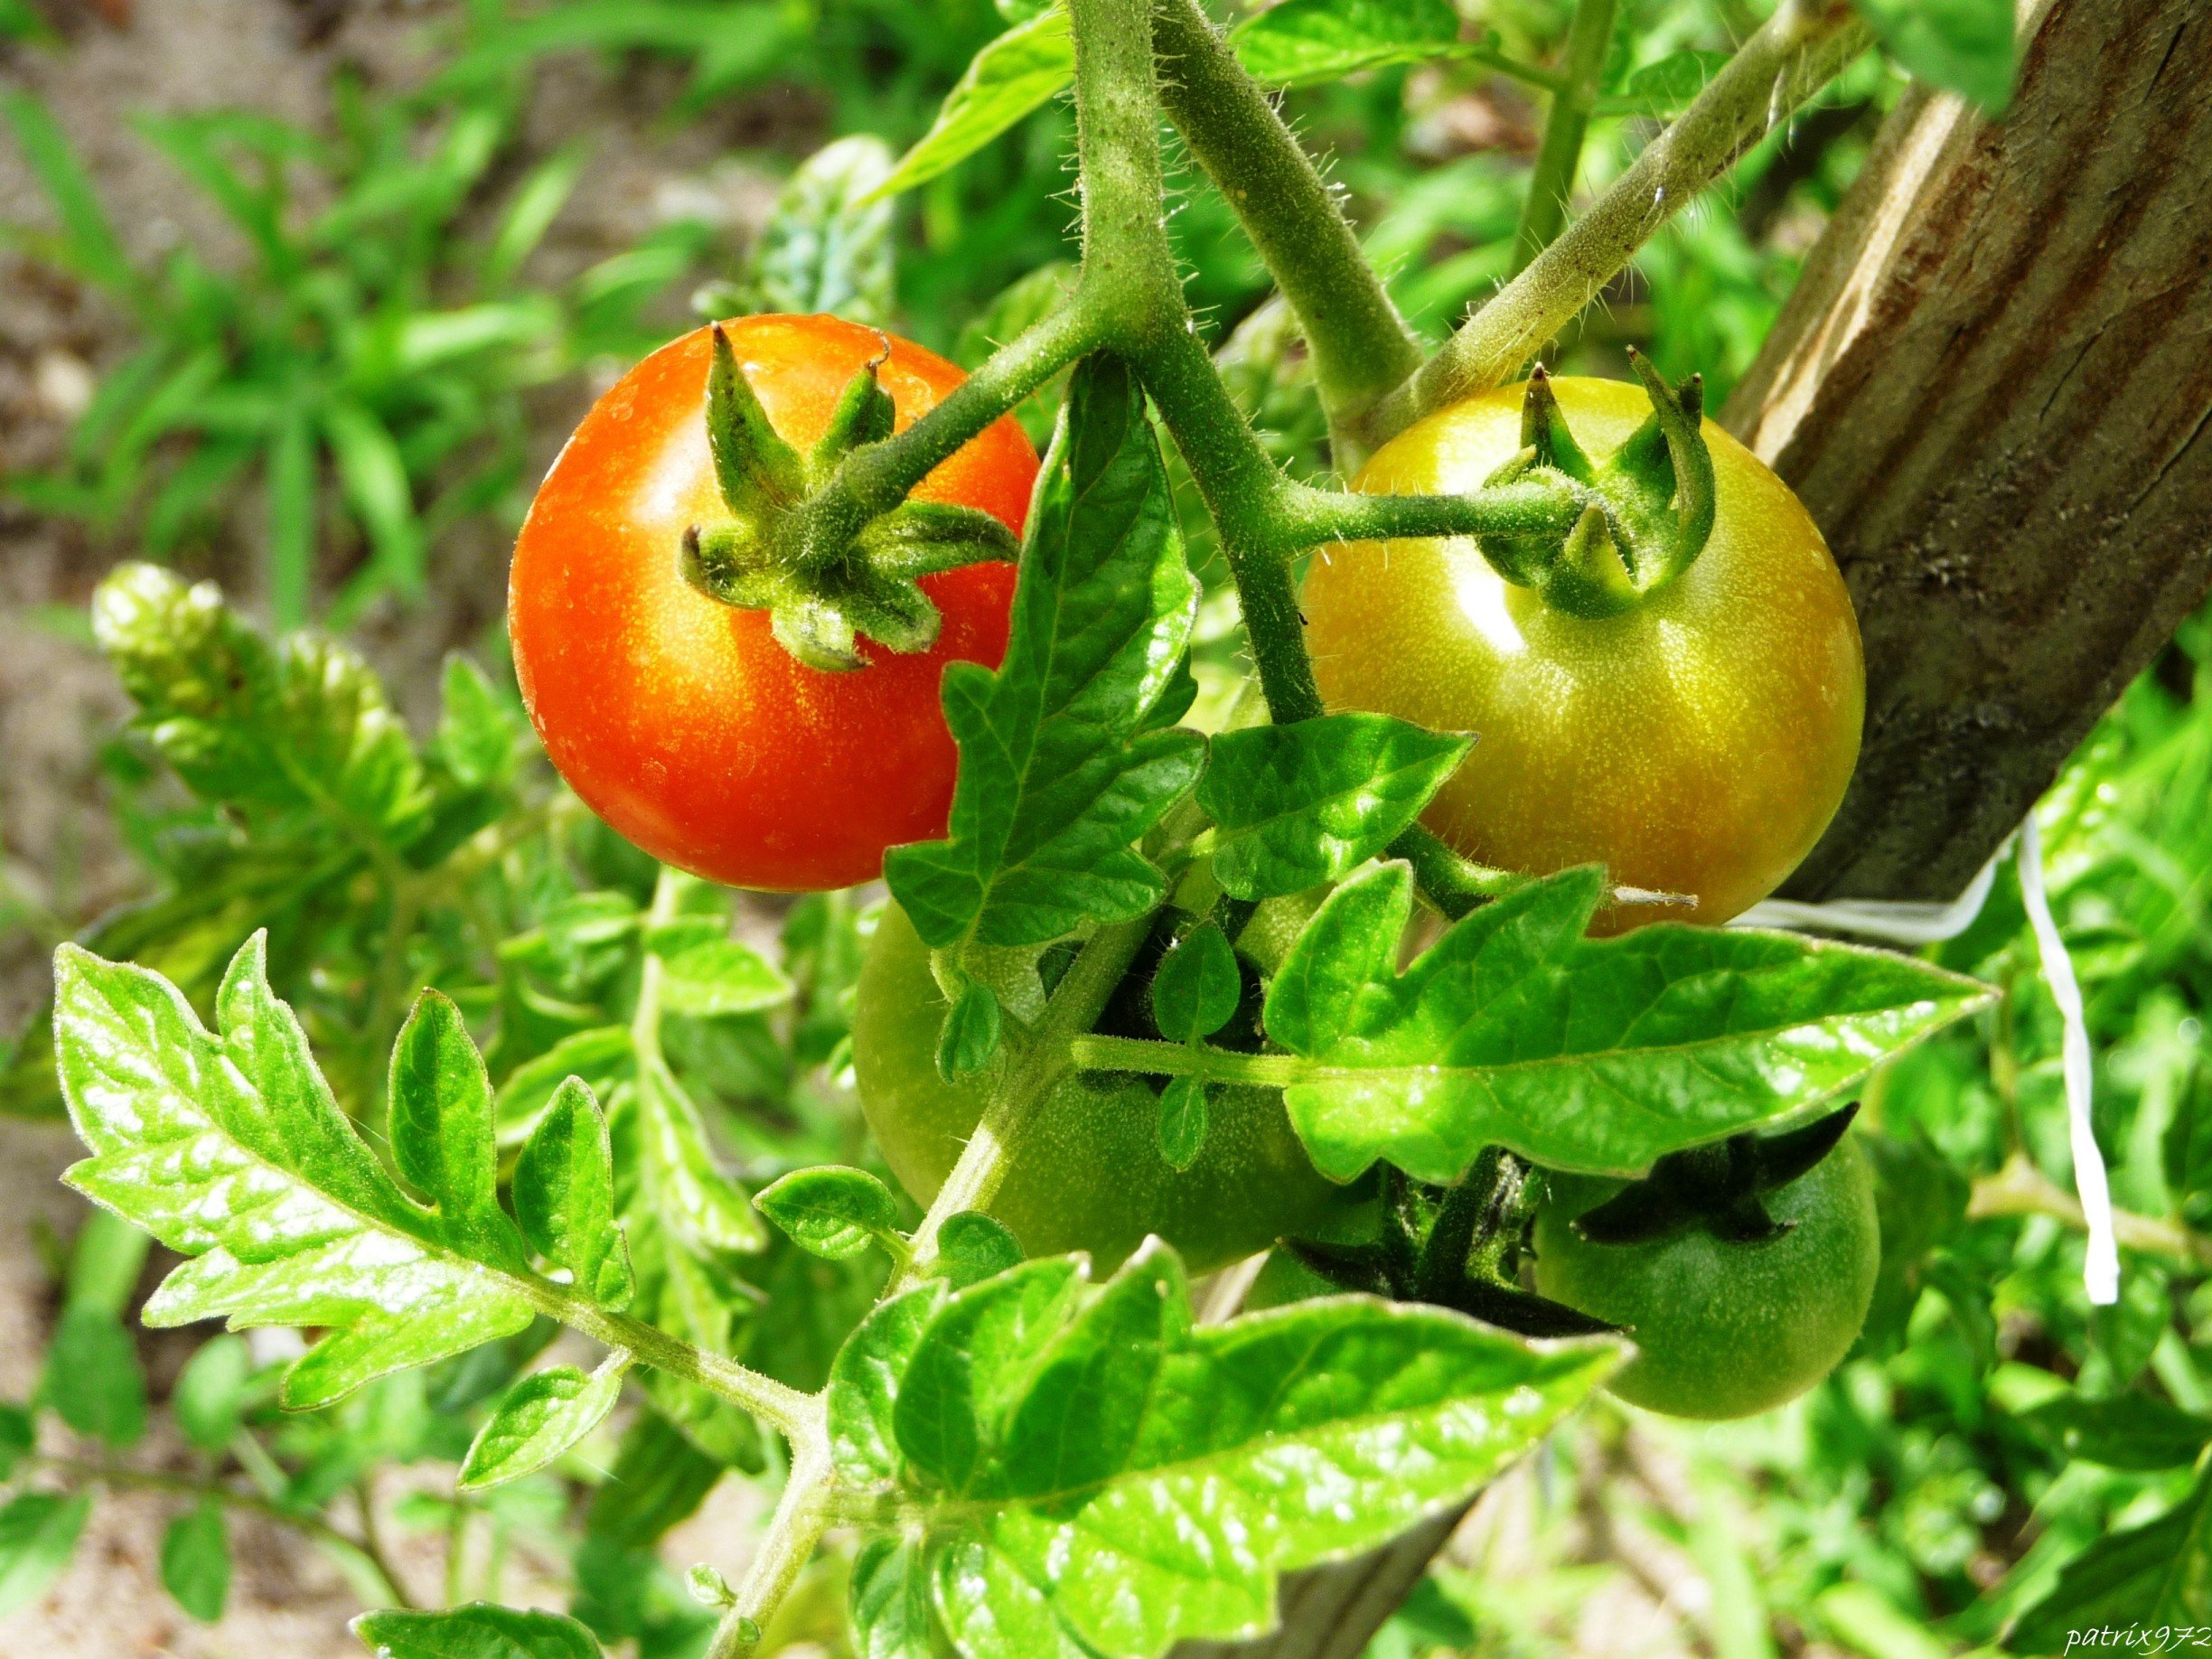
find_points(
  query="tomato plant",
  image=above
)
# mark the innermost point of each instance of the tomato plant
(1231, 956)
(1695, 741)
(1092, 1176)
(682, 721)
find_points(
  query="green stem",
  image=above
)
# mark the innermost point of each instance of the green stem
(2019, 1188)
(1454, 884)
(1077, 1001)
(1802, 46)
(806, 1506)
(1156, 1059)
(184, 1486)
(1361, 348)
(801, 1514)
(1248, 497)
(1560, 158)
(1307, 517)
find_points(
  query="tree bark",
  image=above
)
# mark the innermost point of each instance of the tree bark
(1992, 387)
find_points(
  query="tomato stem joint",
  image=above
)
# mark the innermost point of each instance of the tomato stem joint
(1648, 507)
(823, 580)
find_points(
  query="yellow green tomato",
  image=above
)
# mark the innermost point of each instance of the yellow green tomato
(1697, 742)
(1088, 1175)
(1722, 1328)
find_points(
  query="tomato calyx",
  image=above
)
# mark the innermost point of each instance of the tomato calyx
(1456, 1247)
(1648, 507)
(822, 580)
(1719, 1187)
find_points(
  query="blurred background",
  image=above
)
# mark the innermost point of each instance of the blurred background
(302, 295)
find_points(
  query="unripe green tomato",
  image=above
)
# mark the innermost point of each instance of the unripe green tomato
(1088, 1175)
(1697, 743)
(1724, 1328)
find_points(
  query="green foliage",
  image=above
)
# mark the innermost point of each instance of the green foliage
(541, 1418)
(196, 1561)
(1511, 1030)
(1296, 806)
(1196, 987)
(370, 361)
(1125, 1465)
(38, 1533)
(832, 1213)
(1062, 766)
(1963, 46)
(1303, 43)
(1037, 1464)
(475, 1632)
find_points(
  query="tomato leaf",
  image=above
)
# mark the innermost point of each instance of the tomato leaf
(539, 1418)
(1087, 1470)
(301, 731)
(721, 976)
(707, 1208)
(970, 1033)
(479, 736)
(94, 1378)
(831, 1211)
(1302, 43)
(228, 1147)
(1295, 806)
(1596, 1056)
(1058, 774)
(195, 1560)
(972, 1246)
(1196, 987)
(209, 1400)
(828, 245)
(1182, 1121)
(564, 1197)
(2144, 1577)
(38, 1534)
(1963, 46)
(2124, 1431)
(477, 1631)
(1016, 73)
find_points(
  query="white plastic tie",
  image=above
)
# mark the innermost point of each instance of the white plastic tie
(1902, 923)
(2101, 1266)
(1893, 920)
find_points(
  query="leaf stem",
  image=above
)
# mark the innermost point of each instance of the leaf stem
(184, 1486)
(1573, 101)
(1361, 348)
(2019, 1188)
(1796, 51)
(1156, 1059)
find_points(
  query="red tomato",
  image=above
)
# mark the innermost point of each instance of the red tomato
(678, 719)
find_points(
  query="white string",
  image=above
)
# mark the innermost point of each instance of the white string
(1893, 920)
(1908, 924)
(2101, 1267)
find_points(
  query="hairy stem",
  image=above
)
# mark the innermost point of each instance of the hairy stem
(1572, 102)
(1361, 348)
(1247, 495)
(1307, 517)
(801, 1516)
(1802, 46)
(1076, 1003)
(1156, 1059)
